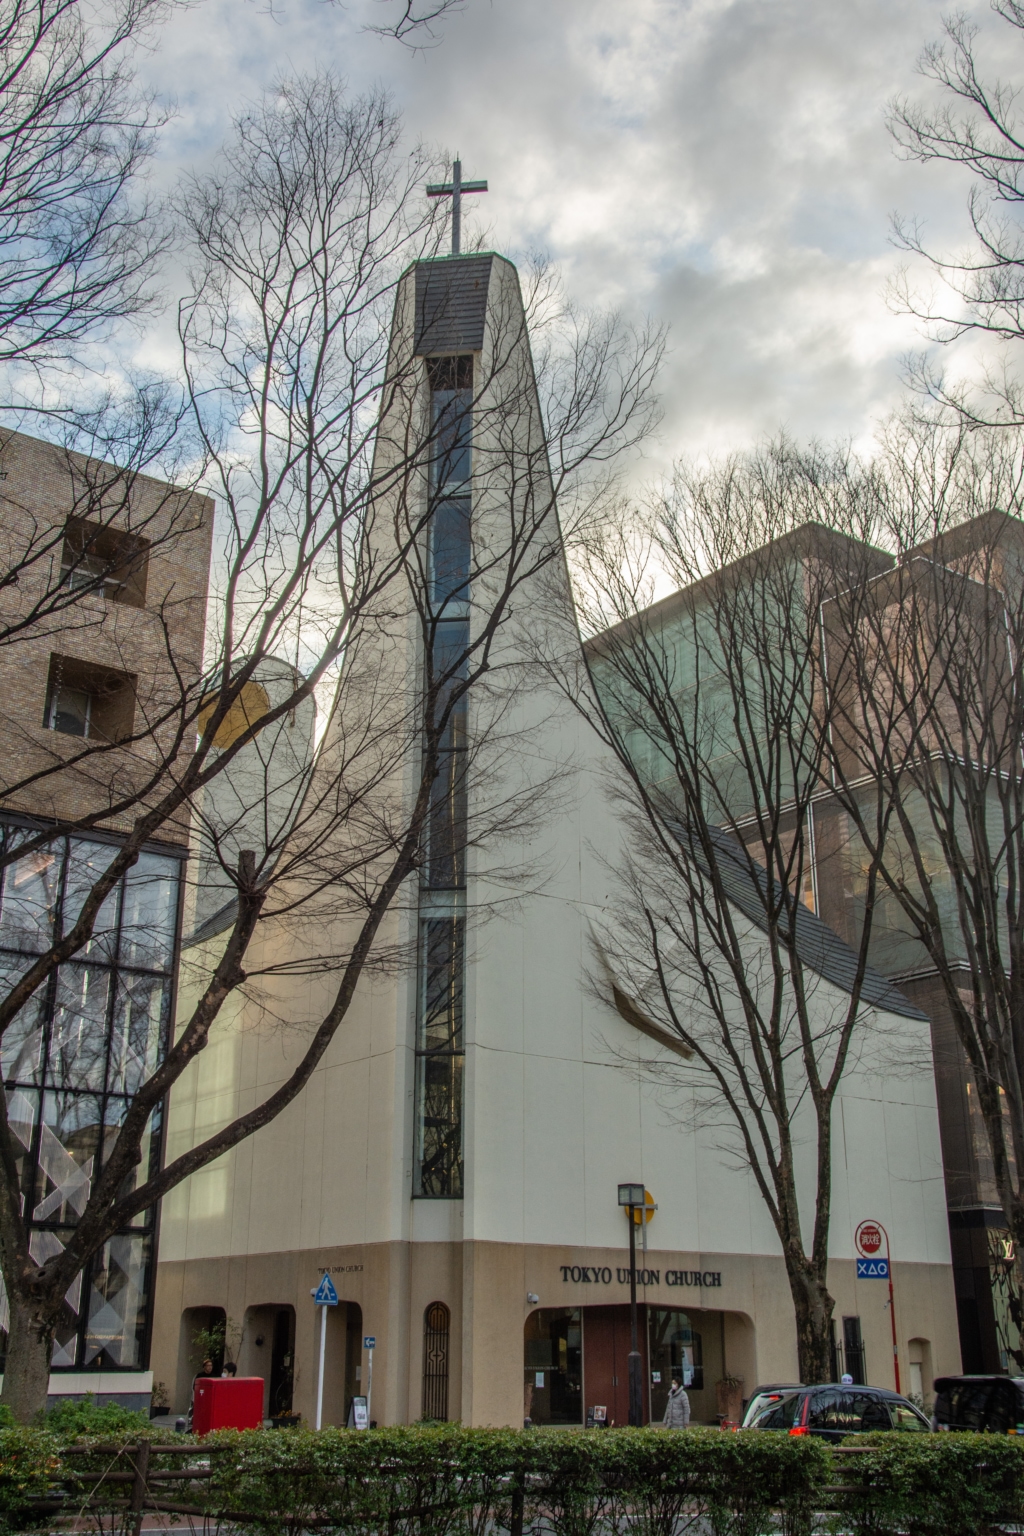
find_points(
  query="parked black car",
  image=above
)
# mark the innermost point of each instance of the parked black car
(987, 1404)
(832, 1411)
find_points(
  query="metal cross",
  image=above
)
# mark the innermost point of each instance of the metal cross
(454, 189)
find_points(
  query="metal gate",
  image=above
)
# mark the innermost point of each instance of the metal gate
(436, 1332)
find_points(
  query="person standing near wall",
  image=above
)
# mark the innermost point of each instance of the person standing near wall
(677, 1409)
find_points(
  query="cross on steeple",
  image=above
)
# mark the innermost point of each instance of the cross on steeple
(454, 189)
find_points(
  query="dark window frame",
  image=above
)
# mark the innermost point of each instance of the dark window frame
(545, 1328)
(437, 1328)
(854, 1353)
(110, 696)
(106, 1097)
(439, 1092)
(106, 560)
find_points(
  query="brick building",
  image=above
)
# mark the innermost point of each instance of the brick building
(102, 616)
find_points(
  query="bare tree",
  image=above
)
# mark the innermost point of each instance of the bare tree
(99, 474)
(80, 248)
(78, 243)
(414, 24)
(346, 567)
(713, 702)
(924, 666)
(979, 130)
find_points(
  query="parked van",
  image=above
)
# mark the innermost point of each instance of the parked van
(985, 1404)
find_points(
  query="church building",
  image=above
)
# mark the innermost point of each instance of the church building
(454, 1163)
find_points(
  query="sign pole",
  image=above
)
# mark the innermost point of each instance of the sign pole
(634, 1364)
(892, 1314)
(324, 1296)
(320, 1375)
(868, 1238)
(633, 1197)
(368, 1344)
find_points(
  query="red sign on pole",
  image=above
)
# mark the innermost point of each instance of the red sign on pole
(868, 1238)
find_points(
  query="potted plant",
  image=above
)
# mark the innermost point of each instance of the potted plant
(729, 1399)
(289, 1419)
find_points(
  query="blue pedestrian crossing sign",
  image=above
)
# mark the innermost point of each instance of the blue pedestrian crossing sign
(872, 1269)
(325, 1295)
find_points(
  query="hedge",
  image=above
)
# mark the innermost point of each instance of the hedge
(449, 1481)
(934, 1485)
(408, 1482)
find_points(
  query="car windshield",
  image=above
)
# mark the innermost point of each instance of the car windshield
(906, 1417)
(773, 1410)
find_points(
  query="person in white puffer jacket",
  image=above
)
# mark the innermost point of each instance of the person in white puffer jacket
(677, 1409)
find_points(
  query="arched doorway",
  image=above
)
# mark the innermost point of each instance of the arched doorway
(437, 1324)
(268, 1350)
(202, 1335)
(343, 1373)
(282, 1361)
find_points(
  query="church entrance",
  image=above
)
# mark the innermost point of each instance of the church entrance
(606, 1340)
(576, 1361)
(690, 1343)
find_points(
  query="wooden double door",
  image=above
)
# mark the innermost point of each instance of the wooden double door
(606, 1343)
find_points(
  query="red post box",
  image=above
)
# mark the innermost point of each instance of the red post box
(227, 1402)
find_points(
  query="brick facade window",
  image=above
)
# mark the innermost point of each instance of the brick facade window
(85, 699)
(105, 560)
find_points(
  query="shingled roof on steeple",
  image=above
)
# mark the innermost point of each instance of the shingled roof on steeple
(451, 303)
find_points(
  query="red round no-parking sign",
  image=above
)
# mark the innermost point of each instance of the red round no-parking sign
(868, 1238)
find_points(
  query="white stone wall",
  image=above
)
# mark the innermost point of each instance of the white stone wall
(555, 1117)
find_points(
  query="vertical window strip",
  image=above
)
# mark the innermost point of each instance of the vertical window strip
(440, 1051)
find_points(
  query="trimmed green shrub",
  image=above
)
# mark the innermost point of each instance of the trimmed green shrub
(435, 1482)
(402, 1481)
(29, 1461)
(932, 1485)
(448, 1481)
(71, 1419)
(57, 1469)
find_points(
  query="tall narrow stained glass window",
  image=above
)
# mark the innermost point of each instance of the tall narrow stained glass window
(71, 1061)
(440, 1045)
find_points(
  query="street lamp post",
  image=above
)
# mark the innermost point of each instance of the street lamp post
(633, 1196)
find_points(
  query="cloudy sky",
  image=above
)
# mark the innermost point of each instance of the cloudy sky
(722, 165)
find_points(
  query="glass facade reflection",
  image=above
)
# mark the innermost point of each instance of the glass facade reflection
(553, 1361)
(71, 1061)
(674, 1345)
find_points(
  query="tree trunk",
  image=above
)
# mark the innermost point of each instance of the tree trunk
(27, 1372)
(813, 1307)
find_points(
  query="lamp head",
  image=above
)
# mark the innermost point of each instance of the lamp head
(632, 1194)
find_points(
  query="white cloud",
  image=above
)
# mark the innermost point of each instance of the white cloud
(721, 164)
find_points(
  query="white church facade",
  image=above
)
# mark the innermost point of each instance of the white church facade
(453, 1163)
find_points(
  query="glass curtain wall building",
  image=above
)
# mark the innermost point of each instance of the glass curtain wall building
(71, 1061)
(440, 1058)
